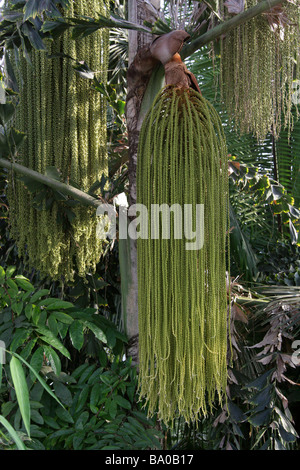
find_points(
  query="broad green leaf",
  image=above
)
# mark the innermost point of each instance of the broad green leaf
(278, 445)
(111, 337)
(7, 111)
(21, 389)
(262, 398)
(134, 422)
(32, 9)
(13, 286)
(53, 173)
(20, 336)
(2, 275)
(26, 351)
(286, 424)
(236, 413)
(7, 407)
(143, 418)
(121, 106)
(48, 301)
(57, 304)
(112, 408)
(76, 334)
(13, 434)
(35, 314)
(63, 393)
(106, 380)
(42, 382)
(82, 420)
(96, 393)
(51, 422)
(37, 417)
(17, 307)
(286, 436)
(56, 28)
(277, 191)
(94, 377)
(86, 373)
(261, 381)
(9, 271)
(82, 399)
(79, 370)
(28, 311)
(62, 329)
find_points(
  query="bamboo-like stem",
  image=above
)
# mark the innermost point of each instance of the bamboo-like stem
(225, 27)
(52, 183)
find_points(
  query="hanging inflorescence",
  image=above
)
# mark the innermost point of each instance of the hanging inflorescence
(65, 124)
(260, 61)
(182, 294)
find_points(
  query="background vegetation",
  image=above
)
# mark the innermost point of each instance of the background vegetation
(67, 383)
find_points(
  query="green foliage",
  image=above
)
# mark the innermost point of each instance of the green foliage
(92, 406)
(100, 412)
(97, 388)
(287, 150)
(12, 433)
(31, 318)
(279, 264)
(262, 378)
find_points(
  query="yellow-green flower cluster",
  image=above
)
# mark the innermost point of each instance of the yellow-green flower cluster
(65, 123)
(259, 66)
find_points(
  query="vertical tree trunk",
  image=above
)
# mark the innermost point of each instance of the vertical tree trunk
(138, 12)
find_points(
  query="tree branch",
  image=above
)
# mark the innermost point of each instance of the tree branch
(52, 183)
(223, 28)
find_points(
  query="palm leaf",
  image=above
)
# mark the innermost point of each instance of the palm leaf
(21, 389)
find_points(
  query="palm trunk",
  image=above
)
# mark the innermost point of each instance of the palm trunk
(138, 12)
